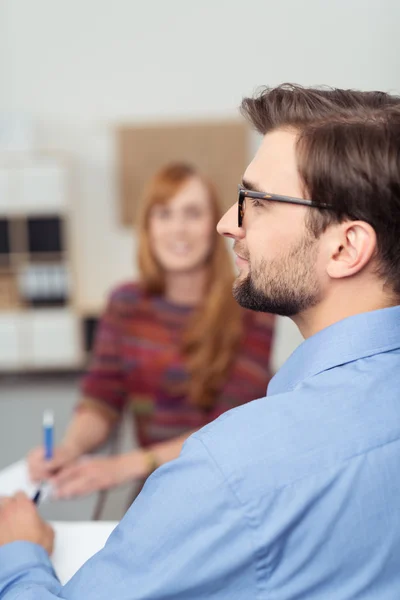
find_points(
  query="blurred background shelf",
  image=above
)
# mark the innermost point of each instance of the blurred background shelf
(40, 325)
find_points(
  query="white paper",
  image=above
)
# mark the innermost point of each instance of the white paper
(76, 542)
(15, 479)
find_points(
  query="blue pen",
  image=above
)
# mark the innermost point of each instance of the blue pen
(48, 434)
(48, 443)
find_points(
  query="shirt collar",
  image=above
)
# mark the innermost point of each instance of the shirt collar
(356, 337)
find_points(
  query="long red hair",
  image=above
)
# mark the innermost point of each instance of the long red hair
(212, 336)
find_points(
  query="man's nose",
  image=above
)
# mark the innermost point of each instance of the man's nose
(228, 224)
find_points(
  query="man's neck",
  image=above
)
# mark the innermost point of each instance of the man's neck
(341, 304)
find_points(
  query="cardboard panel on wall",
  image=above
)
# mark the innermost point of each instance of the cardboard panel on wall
(218, 149)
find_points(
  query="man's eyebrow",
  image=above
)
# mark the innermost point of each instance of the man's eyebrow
(252, 187)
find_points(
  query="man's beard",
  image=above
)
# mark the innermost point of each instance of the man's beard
(286, 286)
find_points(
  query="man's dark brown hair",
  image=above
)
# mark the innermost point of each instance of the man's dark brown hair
(296, 106)
(348, 156)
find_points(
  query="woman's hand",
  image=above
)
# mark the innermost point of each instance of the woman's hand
(90, 475)
(41, 469)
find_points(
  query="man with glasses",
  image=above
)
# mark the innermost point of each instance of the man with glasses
(297, 494)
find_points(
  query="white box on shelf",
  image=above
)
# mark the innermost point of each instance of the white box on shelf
(10, 357)
(55, 338)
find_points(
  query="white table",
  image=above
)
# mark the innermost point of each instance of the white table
(75, 543)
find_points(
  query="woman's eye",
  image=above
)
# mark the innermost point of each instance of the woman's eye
(193, 213)
(161, 213)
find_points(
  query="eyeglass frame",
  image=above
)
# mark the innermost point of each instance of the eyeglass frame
(244, 193)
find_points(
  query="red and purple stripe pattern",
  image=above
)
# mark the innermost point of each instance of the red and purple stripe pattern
(137, 363)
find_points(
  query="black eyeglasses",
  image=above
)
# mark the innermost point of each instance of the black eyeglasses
(243, 194)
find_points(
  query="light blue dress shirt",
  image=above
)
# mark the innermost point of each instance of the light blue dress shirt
(295, 496)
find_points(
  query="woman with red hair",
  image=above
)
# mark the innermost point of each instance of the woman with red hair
(175, 347)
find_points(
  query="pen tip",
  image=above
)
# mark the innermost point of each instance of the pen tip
(48, 418)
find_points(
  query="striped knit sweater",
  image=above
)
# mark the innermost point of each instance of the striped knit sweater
(137, 362)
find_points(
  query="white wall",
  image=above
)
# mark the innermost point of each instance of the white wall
(81, 66)
(4, 53)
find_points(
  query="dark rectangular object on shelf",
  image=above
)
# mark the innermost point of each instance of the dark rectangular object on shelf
(89, 332)
(45, 234)
(4, 237)
(47, 302)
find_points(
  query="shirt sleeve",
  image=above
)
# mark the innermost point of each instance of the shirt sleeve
(104, 386)
(185, 536)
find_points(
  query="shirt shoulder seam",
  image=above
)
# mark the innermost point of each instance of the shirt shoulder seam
(247, 517)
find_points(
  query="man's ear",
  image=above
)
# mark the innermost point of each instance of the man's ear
(352, 246)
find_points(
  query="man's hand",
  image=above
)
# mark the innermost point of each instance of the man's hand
(20, 521)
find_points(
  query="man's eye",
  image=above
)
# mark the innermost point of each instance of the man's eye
(256, 203)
